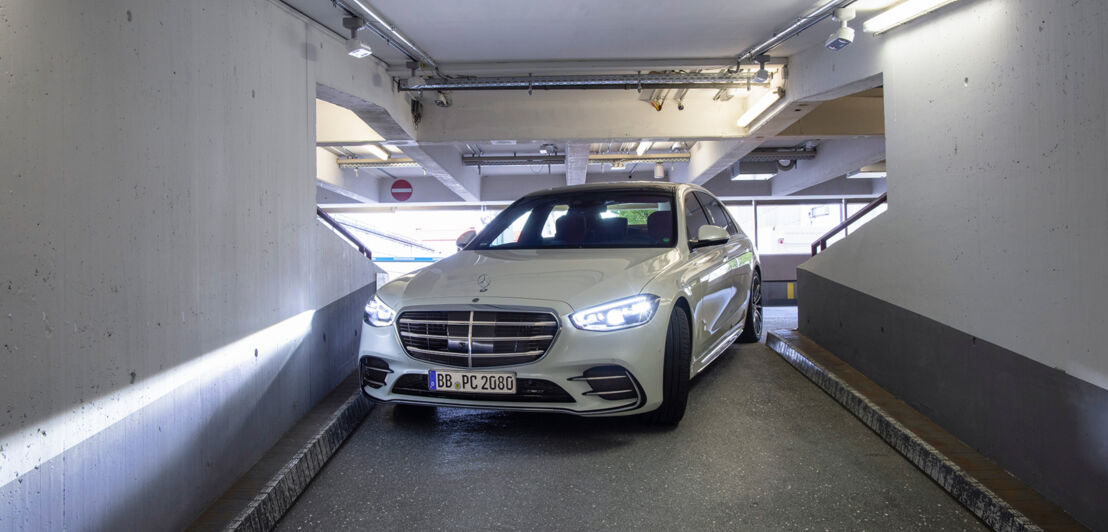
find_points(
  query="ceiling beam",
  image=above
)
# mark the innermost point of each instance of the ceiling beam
(377, 117)
(577, 162)
(835, 158)
(709, 158)
(354, 196)
(444, 162)
(850, 116)
(586, 116)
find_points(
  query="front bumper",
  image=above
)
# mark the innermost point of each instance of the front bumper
(639, 351)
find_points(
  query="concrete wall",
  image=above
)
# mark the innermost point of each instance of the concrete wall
(996, 136)
(998, 216)
(169, 304)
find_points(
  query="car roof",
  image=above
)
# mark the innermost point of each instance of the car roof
(644, 186)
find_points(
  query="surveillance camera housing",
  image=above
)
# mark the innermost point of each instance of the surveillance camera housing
(840, 38)
(761, 76)
(845, 34)
(442, 100)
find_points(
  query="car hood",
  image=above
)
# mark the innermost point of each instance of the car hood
(577, 277)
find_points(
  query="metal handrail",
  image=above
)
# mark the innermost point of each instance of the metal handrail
(821, 243)
(344, 232)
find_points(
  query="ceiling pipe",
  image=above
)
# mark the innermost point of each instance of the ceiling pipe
(721, 80)
(577, 66)
(799, 25)
(376, 163)
(759, 155)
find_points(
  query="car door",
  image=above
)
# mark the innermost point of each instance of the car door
(711, 290)
(737, 264)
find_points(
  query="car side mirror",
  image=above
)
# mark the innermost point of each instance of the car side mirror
(709, 235)
(465, 239)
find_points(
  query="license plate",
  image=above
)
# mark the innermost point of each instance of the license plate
(471, 382)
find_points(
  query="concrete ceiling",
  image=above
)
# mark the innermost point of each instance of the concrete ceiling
(531, 34)
(514, 30)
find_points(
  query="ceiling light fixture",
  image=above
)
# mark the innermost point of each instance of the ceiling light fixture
(659, 171)
(765, 102)
(901, 13)
(751, 177)
(872, 171)
(643, 146)
(619, 165)
(377, 151)
(858, 174)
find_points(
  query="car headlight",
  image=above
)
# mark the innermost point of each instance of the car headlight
(378, 314)
(619, 314)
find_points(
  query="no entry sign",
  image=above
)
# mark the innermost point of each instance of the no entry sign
(401, 190)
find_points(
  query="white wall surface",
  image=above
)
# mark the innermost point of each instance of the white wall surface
(997, 135)
(157, 210)
(327, 167)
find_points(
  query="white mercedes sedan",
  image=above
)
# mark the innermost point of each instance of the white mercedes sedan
(596, 300)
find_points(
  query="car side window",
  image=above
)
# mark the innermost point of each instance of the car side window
(694, 216)
(511, 234)
(718, 212)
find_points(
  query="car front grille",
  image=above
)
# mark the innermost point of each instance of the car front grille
(476, 338)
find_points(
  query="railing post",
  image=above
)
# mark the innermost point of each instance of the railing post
(344, 232)
(821, 243)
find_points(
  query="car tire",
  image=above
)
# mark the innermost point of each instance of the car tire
(752, 329)
(675, 380)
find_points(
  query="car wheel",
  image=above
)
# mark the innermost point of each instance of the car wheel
(752, 331)
(675, 380)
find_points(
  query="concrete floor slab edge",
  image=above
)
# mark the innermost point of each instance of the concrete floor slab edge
(978, 499)
(281, 491)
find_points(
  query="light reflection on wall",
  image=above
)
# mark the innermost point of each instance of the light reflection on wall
(27, 448)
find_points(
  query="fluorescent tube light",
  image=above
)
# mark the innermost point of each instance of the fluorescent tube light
(871, 171)
(377, 151)
(901, 13)
(752, 177)
(643, 146)
(760, 106)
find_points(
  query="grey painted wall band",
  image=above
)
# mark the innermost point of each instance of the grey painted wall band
(968, 491)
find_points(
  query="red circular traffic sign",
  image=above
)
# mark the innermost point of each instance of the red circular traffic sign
(401, 190)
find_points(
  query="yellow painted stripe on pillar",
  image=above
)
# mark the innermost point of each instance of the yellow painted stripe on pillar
(790, 291)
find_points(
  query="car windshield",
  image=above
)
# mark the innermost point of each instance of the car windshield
(587, 219)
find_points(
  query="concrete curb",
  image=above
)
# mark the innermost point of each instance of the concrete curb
(993, 510)
(280, 492)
